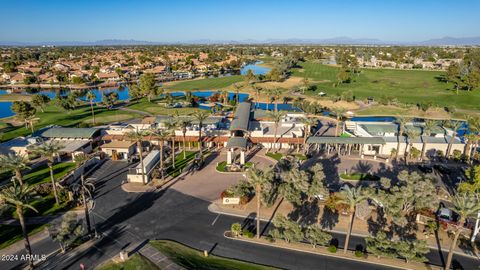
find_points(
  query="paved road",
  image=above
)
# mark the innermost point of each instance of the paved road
(127, 219)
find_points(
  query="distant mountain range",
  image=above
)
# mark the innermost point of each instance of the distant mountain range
(468, 41)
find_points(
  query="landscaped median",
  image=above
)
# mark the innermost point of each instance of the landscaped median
(358, 177)
(329, 251)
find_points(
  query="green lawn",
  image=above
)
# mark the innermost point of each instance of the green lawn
(181, 163)
(57, 116)
(41, 174)
(156, 109)
(359, 177)
(206, 84)
(408, 86)
(11, 234)
(136, 262)
(276, 156)
(193, 259)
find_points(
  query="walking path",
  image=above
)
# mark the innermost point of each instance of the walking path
(158, 258)
(360, 227)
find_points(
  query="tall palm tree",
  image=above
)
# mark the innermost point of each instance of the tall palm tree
(465, 205)
(276, 95)
(20, 196)
(50, 151)
(84, 189)
(473, 136)
(401, 122)
(200, 116)
(91, 97)
(224, 94)
(338, 115)
(16, 163)
(258, 178)
(138, 136)
(184, 124)
(309, 122)
(257, 92)
(171, 127)
(426, 132)
(454, 126)
(351, 197)
(412, 135)
(237, 89)
(276, 117)
(161, 135)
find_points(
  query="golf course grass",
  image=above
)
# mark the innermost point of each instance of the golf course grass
(193, 259)
(407, 86)
(54, 115)
(206, 84)
(157, 109)
(133, 263)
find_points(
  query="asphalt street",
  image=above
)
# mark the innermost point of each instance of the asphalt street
(127, 219)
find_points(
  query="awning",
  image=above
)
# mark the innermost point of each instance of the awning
(346, 140)
(241, 117)
(237, 142)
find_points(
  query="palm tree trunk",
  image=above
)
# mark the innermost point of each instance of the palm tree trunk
(349, 232)
(275, 140)
(93, 113)
(307, 133)
(25, 235)
(200, 140)
(18, 175)
(161, 159)
(452, 247)
(54, 186)
(173, 151)
(139, 145)
(184, 152)
(257, 194)
(87, 216)
(424, 147)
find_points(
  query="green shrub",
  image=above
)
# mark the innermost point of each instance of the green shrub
(358, 253)
(236, 228)
(332, 249)
(248, 234)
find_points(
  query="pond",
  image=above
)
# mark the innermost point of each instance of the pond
(255, 68)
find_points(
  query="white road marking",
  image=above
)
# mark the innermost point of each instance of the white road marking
(215, 220)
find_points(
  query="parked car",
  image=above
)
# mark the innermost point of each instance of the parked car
(445, 214)
(425, 168)
(442, 169)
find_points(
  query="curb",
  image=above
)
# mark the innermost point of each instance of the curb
(322, 254)
(212, 206)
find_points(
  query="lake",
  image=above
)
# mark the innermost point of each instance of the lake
(255, 68)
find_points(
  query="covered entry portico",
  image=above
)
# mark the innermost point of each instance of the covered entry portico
(347, 145)
(233, 144)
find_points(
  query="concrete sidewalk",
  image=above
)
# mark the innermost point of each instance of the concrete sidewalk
(339, 228)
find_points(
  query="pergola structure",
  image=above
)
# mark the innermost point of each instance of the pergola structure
(347, 144)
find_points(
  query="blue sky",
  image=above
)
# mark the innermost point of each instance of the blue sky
(69, 20)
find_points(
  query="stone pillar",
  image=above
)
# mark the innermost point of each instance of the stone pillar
(242, 157)
(229, 157)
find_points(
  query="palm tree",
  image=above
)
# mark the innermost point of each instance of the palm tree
(338, 115)
(426, 132)
(465, 205)
(161, 135)
(184, 124)
(137, 136)
(258, 179)
(473, 137)
(91, 97)
(257, 92)
(412, 134)
(401, 122)
(276, 117)
(454, 125)
(15, 163)
(224, 95)
(200, 116)
(50, 150)
(309, 122)
(84, 188)
(171, 127)
(351, 197)
(276, 95)
(237, 88)
(19, 196)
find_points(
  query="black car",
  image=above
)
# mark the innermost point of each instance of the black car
(425, 168)
(442, 169)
